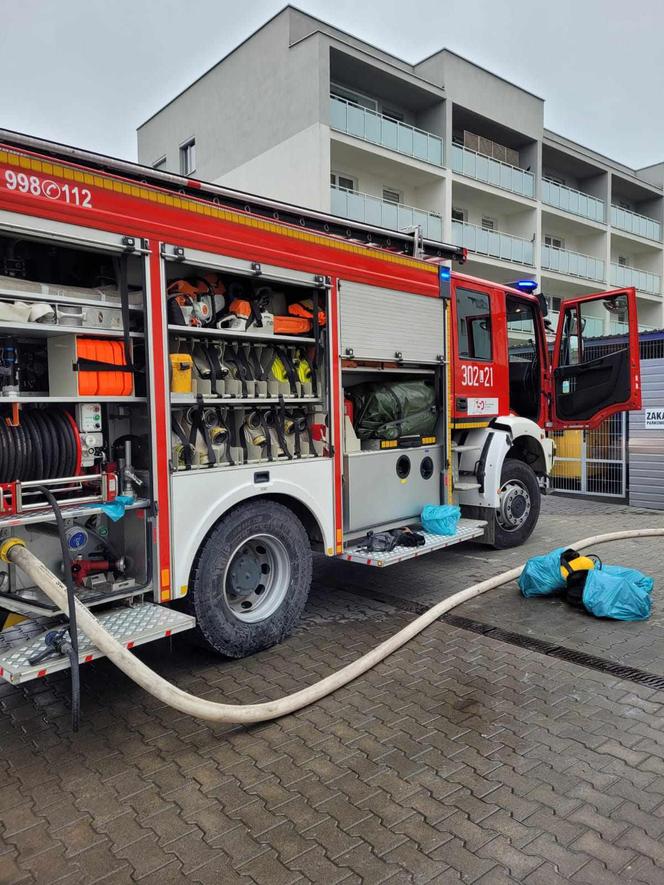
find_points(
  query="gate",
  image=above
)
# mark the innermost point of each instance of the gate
(593, 462)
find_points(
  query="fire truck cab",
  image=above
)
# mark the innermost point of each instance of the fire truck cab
(512, 386)
(206, 386)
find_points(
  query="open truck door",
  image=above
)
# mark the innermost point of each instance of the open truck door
(595, 377)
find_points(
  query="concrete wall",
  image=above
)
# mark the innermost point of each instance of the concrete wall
(297, 170)
(259, 96)
(484, 93)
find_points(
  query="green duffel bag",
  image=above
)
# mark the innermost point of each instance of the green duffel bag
(392, 409)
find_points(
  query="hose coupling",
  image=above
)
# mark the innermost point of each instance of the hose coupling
(7, 545)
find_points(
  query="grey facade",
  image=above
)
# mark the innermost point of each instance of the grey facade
(306, 113)
(646, 444)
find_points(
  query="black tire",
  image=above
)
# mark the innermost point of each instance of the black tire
(232, 550)
(523, 480)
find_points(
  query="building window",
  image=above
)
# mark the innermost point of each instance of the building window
(554, 242)
(160, 163)
(458, 214)
(488, 223)
(188, 157)
(392, 113)
(623, 261)
(473, 325)
(554, 303)
(553, 176)
(363, 101)
(338, 179)
(391, 196)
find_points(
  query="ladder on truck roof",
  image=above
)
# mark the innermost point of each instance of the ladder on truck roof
(408, 242)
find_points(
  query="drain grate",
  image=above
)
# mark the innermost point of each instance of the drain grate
(592, 662)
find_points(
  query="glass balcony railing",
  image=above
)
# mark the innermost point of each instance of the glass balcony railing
(373, 210)
(569, 200)
(633, 223)
(492, 243)
(594, 327)
(503, 175)
(631, 276)
(384, 131)
(572, 263)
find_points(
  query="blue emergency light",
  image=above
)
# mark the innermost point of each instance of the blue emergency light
(445, 281)
(528, 286)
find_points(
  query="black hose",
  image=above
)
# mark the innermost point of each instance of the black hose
(72, 647)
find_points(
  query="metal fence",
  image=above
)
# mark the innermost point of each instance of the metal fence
(592, 462)
(597, 463)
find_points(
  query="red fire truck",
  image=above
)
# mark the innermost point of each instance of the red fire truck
(211, 386)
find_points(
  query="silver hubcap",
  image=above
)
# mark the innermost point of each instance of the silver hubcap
(515, 505)
(257, 578)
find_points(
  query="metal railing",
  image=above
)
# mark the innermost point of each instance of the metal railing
(572, 263)
(495, 172)
(570, 200)
(345, 116)
(373, 210)
(492, 243)
(633, 223)
(631, 276)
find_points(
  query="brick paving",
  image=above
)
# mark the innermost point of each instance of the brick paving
(459, 759)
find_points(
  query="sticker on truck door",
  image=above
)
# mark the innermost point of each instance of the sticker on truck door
(483, 405)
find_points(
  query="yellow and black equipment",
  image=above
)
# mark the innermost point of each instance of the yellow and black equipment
(574, 569)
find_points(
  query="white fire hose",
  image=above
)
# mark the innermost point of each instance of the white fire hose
(14, 551)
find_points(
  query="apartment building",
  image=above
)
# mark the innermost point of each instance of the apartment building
(306, 113)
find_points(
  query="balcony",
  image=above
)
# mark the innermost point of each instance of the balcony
(509, 178)
(640, 279)
(373, 210)
(569, 200)
(492, 243)
(384, 131)
(572, 263)
(593, 327)
(633, 223)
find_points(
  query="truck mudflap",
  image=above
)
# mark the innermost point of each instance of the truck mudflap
(131, 625)
(467, 529)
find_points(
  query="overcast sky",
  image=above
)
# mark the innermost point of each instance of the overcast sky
(87, 72)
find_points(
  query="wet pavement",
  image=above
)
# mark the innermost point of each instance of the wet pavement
(459, 759)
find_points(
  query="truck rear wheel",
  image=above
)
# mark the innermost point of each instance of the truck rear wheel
(519, 504)
(251, 580)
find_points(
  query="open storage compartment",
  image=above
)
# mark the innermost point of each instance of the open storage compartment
(74, 414)
(248, 361)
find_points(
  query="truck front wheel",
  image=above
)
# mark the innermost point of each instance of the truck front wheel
(519, 505)
(251, 580)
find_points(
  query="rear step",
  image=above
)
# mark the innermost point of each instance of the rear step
(466, 530)
(130, 625)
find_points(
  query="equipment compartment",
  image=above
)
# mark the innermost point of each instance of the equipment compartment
(247, 367)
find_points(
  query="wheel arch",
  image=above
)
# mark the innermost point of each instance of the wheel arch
(309, 519)
(506, 437)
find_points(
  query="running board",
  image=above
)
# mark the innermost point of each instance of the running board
(467, 529)
(130, 625)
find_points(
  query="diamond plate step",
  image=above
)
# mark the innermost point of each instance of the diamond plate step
(131, 626)
(466, 530)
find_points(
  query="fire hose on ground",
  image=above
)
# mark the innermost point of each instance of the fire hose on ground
(14, 551)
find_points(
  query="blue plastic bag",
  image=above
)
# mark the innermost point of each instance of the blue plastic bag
(619, 593)
(440, 520)
(541, 575)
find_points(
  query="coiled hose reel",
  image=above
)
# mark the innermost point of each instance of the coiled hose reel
(45, 445)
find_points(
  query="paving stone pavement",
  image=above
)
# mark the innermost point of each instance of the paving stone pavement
(459, 759)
